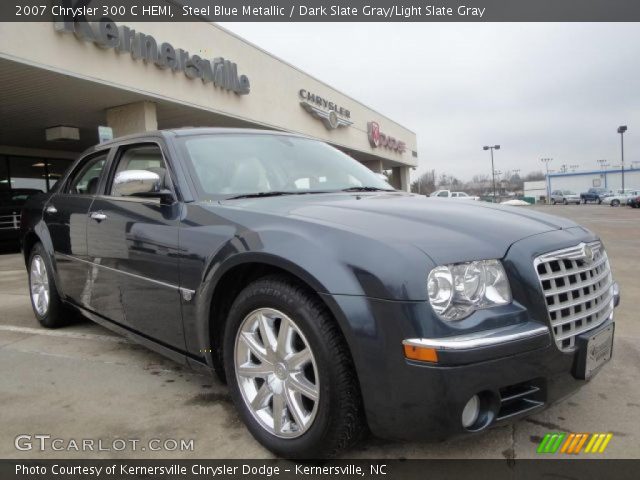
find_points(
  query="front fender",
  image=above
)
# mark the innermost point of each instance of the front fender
(329, 260)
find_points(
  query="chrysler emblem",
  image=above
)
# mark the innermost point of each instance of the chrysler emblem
(587, 253)
(330, 118)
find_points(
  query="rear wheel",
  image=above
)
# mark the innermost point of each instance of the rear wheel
(46, 303)
(565, 202)
(615, 203)
(289, 371)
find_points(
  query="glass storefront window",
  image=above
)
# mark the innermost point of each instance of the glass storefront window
(4, 174)
(31, 172)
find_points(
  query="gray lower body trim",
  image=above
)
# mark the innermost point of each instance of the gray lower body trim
(184, 291)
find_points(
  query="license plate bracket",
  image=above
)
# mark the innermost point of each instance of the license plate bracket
(594, 349)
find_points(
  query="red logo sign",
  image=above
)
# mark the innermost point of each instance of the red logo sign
(380, 139)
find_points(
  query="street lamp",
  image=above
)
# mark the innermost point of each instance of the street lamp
(493, 173)
(621, 130)
(546, 162)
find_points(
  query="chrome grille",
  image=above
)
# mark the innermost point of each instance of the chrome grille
(10, 222)
(578, 290)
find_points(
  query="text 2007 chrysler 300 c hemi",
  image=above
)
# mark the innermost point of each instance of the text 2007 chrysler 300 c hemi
(326, 299)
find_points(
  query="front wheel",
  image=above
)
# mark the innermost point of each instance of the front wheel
(289, 371)
(615, 203)
(565, 202)
(553, 202)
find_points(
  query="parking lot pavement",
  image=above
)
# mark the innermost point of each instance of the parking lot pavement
(84, 382)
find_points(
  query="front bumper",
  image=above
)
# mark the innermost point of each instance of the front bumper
(516, 370)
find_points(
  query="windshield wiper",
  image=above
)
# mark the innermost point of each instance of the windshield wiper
(274, 194)
(261, 194)
(366, 189)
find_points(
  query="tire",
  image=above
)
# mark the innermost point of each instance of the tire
(599, 201)
(565, 201)
(45, 301)
(584, 201)
(615, 203)
(335, 420)
(553, 201)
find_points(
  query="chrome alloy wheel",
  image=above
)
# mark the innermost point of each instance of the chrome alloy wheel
(276, 373)
(39, 284)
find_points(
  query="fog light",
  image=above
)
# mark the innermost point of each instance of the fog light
(471, 412)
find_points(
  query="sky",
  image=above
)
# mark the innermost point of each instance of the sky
(537, 89)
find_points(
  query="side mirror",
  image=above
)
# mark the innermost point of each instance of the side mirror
(141, 183)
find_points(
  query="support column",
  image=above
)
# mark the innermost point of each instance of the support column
(132, 118)
(401, 179)
(375, 166)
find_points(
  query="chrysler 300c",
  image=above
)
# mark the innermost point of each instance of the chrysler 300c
(328, 301)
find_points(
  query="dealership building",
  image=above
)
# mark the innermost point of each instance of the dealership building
(61, 81)
(580, 181)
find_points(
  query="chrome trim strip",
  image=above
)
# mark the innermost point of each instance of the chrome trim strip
(134, 275)
(486, 338)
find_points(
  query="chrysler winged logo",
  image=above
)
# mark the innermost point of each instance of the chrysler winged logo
(332, 115)
(587, 253)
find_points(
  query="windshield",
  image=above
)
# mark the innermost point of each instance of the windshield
(245, 164)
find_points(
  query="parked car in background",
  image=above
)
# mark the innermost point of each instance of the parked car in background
(11, 202)
(327, 300)
(634, 202)
(564, 196)
(456, 195)
(620, 198)
(595, 194)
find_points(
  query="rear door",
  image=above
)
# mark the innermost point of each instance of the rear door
(135, 242)
(66, 217)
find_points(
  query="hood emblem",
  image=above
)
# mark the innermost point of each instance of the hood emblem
(588, 254)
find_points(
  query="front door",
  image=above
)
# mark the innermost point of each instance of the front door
(133, 241)
(66, 217)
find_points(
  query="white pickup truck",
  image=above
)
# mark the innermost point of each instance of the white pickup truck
(450, 194)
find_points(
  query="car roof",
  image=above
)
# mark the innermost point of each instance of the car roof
(190, 131)
(185, 132)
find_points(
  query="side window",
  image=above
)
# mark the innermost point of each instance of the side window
(140, 170)
(443, 194)
(84, 181)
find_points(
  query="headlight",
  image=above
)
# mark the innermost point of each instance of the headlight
(456, 291)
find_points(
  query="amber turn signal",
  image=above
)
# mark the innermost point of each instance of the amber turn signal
(422, 354)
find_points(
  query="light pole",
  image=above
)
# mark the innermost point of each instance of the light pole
(621, 130)
(493, 173)
(546, 162)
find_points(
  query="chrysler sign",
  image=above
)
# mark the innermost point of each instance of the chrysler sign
(106, 34)
(332, 115)
(381, 139)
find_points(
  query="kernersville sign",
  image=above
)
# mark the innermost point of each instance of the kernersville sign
(220, 72)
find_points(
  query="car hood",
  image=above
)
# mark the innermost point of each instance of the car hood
(446, 231)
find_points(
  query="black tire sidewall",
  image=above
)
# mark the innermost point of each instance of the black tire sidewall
(51, 318)
(255, 296)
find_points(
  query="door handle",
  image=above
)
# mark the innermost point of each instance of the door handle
(51, 209)
(98, 216)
